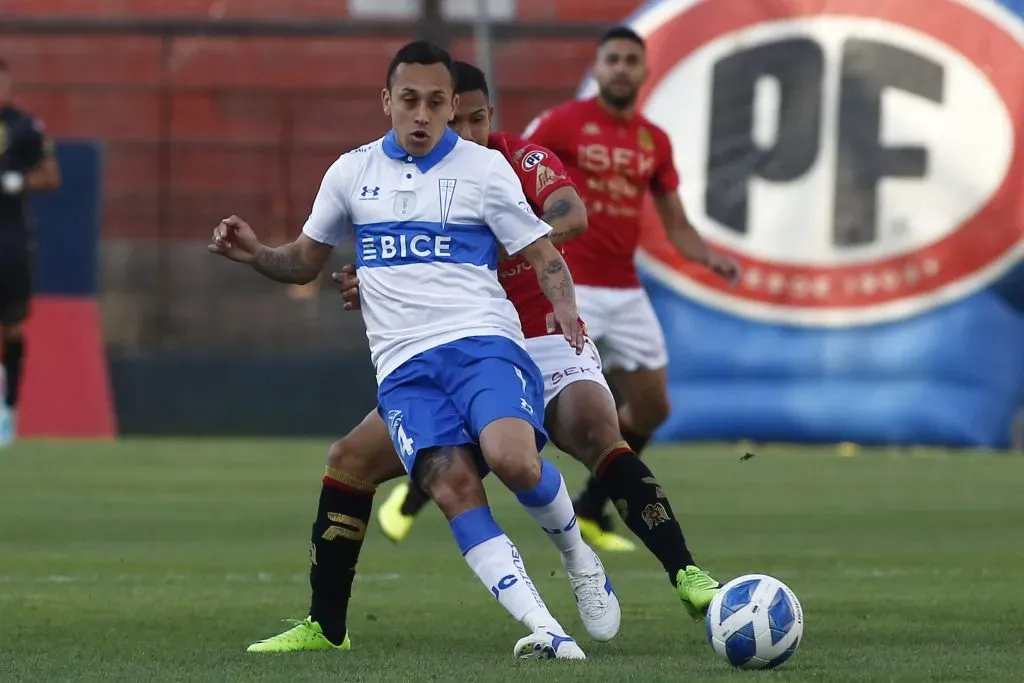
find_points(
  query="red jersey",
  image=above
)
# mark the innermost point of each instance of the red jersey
(540, 173)
(614, 161)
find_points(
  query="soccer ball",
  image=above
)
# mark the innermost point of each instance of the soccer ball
(755, 622)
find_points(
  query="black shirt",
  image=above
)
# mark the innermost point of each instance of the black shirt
(23, 145)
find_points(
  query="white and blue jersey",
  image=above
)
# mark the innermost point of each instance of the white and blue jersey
(427, 231)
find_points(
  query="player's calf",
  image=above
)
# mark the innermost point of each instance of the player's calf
(581, 421)
(645, 404)
(510, 443)
(450, 476)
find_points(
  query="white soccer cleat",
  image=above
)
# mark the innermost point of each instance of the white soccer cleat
(547, 645)
(597, 603)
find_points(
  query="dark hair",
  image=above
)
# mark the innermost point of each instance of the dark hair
(420, 52)
(622, 33)
(469, 78)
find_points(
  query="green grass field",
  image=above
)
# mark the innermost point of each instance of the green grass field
(154, 560)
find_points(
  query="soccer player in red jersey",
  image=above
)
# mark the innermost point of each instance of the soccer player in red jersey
(615, 156)
(580, 414)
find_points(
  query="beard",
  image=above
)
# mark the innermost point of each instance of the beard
(618, 100)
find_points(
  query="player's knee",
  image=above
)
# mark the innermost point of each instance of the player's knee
(592, 439)
(509, 447)
(650, 411)
(452, 481)
(345, 457)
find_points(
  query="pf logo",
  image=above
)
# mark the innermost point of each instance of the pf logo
(858, 157)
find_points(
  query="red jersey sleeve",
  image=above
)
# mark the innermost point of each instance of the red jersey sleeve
(666, 178)
(539, 169)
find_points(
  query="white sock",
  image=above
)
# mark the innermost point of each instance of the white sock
(496, 561)
(551, 507)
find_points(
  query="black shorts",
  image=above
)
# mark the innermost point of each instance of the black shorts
(15, 290)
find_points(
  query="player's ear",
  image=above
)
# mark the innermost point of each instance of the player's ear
(455, 105)
(490, 113)
(385, 101)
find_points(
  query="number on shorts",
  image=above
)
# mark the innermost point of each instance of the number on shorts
(404, 442)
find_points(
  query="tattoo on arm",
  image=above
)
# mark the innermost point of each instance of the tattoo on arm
(554, 216)
(433, 465)
(556, 281)
(560, 209)
(284, 264)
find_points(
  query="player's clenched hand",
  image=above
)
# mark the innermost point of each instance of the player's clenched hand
(348, 285)
(234, 239)
(723, 266)
(567, 319)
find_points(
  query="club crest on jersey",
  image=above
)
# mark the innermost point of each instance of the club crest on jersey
(645, 140)
(873, 182)
(446, 193)
(405, 203)
(533, 159)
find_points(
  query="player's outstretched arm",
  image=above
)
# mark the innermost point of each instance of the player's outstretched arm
(297, 262)
(565, 212)
(687, 240)
(556, 282)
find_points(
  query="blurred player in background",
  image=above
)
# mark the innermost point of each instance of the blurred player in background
(579, 412)
(430, 210)
(27, 165)
(615, 156)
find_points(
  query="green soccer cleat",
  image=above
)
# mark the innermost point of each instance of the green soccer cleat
(392, 522)
(304, 636)
(696, 589)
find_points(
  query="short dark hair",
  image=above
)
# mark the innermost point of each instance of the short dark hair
(469, 78)
(420, 52)
(622, 33)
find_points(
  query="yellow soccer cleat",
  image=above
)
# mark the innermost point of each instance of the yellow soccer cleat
(392, 522)
(600, 538)
(304, 636)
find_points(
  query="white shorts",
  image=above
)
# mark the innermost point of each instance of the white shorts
(622, 321)
(560, 365)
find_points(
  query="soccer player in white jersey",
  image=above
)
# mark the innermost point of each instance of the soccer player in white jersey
(428, 211)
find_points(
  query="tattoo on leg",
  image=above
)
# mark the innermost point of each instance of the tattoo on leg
(433, 464)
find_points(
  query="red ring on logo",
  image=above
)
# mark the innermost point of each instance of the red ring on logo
(981, 240)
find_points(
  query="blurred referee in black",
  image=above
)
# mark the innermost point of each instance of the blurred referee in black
(27, 165)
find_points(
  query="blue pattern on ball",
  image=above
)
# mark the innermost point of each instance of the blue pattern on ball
(740, 647)
(784, 656)
(780, 616)
(737, 598)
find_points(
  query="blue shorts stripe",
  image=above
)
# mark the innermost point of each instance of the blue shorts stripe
(474, 527)
(546, 489)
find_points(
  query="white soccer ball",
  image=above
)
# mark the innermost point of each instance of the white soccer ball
(755, 622)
